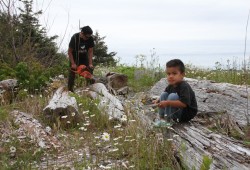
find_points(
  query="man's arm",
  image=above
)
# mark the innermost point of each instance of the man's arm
(70, 53)
(90, 55)
(173, 103)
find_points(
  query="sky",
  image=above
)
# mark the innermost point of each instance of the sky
(200, 32)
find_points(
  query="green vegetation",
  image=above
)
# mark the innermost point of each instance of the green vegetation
(206, 162)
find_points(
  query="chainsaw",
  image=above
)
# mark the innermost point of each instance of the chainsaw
(84, 71)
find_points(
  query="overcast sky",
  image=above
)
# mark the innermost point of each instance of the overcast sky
(197, 31)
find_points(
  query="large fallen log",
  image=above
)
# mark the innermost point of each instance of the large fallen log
(108, 103)
(61, 104)
(194, 140)
(215, 97)
(117, 83)
(7, 90)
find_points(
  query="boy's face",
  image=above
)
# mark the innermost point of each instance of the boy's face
(174, 75)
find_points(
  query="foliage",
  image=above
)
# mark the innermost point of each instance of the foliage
(101, 55)
(230, 73)
(206, 162)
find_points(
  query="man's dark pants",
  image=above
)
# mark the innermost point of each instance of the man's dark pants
(71, 78)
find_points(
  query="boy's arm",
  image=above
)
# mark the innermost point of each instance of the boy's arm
(173, 103)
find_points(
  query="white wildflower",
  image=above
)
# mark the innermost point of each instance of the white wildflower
(116, 144)
(80, 104)
(68, 121)
(105, 136)
(84, 112)
(118, 126)
(114, 150)
(64, 117)
(174, 136)
(73, 114)
(169, 139)
(105, 167)
(81, 138)
(132, 140)
(12, 149)
(124, 118)
(25, 90)
(115, 139)
(86, 124)
(81, 128)
(41, 96)
(132, 120)
(31, 96)
(92, 115)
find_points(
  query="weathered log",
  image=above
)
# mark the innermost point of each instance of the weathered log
(61, 104)
(29, 127)
(108, 102)
(7, 90)
(194, 140)
(117, 83)
(215, 97)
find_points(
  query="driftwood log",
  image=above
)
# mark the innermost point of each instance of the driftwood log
(117, 83)
(109, 103)
(7, 90)
(61, 104)
(194, 140)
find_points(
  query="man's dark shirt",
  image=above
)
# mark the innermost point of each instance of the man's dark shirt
(186, 96)
(80, 48)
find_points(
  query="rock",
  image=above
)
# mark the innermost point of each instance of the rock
(61, 104)
(108, 102)
(215, 97)
(117, 81)
(195, 140)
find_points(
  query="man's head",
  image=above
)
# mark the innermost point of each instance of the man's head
(175, 71)
(86, 32)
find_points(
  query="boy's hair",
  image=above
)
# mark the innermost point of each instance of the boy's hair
(86, 30)
(176, 63)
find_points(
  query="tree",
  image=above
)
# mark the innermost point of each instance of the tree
(101, 55)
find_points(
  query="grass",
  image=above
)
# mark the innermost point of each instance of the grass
(129, 144)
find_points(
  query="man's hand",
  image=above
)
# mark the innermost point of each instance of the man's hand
(91, 66)
(73, 66)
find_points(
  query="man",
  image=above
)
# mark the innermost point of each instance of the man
(80, 53)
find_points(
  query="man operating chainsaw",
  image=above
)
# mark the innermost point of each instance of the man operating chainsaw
(80, 53)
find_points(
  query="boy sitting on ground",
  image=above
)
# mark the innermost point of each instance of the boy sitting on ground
(178, 101)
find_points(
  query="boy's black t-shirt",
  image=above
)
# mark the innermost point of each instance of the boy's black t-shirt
(187, 96)
(80, 48)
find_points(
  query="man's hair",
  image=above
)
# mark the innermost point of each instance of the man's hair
(176, 63)
(86, 30)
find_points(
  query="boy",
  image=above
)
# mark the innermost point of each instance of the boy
(178, 101)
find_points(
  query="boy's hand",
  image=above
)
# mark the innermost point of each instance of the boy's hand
(163, 104)
(156, 101)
